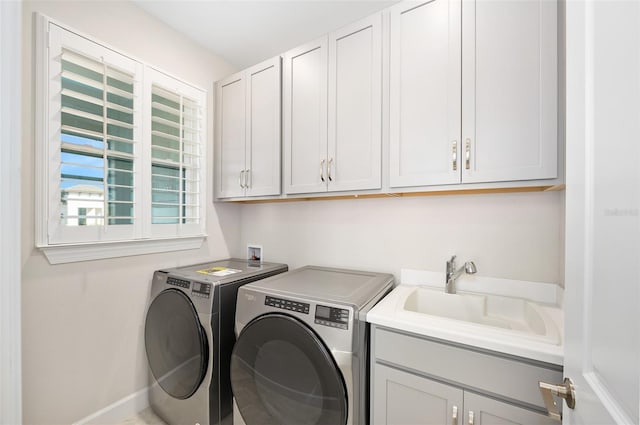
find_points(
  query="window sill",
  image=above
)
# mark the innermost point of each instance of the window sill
(61, 254)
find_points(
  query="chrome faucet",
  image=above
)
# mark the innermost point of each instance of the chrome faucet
(452, 274)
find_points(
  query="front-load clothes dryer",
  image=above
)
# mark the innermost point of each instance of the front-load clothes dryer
(302, 348)
(189, 334)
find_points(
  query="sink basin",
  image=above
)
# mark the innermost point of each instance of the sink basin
(502, 313)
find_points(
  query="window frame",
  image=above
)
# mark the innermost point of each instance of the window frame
(63, 244)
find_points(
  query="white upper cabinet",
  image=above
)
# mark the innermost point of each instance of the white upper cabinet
(473, 91)
(305, 118)
(355, 106)
(333, 111)
(263, 152)
(231, 128)
(472, 98)
(249, 142)
(424, 108)
(509, 90)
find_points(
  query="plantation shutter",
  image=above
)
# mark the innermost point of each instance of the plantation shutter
(96, 133)
(96, 142)
(122, 151)
(176, 154)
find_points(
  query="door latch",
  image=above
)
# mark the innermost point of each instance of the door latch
(565, 390)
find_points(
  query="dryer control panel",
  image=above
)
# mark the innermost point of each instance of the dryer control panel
(178, 282)
(287, 304)
(332, 316)
(201, 289)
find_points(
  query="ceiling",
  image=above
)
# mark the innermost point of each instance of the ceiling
(245, 32)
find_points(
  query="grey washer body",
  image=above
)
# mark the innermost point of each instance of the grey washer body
(351, 290)
(211, 403)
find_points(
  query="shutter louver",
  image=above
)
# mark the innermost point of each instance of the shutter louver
(176, 158)
(97, 143)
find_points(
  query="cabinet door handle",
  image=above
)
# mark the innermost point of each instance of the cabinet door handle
(247, 179)
(454, 155)
(470, 417)
(322, 170)
(241, 178)
(454, 416)
(329, 170)
(467, 154)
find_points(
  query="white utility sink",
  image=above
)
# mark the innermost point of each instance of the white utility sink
(520, 317)
(514, 317)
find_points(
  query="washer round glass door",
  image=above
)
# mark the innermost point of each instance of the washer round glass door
(282, 374)
(176, 344)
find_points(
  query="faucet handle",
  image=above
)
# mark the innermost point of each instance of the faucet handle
(451, 264)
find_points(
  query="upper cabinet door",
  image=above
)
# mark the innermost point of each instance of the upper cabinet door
(425, 68)
(263, 129)
(305, 118)
(510, 92)
(231, 127)
(355, 106)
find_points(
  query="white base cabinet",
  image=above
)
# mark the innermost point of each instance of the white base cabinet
(418, 381)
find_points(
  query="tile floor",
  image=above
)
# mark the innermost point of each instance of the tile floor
(146, 417)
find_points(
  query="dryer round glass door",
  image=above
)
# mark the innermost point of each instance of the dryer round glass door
(176, 344)
(283, 374)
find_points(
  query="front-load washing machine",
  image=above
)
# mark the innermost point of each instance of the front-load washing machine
(189, 334)
(302, 348)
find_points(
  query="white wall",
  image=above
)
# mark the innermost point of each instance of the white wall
(515, 236)
(83, 323)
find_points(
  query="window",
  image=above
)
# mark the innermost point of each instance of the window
(122, 149)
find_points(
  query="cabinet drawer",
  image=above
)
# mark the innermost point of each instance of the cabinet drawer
(503, 375)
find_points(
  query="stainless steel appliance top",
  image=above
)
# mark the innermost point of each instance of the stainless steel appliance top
(347, 287)
(225, 271)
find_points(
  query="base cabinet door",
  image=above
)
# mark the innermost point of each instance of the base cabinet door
(480, 410)
(401, 398)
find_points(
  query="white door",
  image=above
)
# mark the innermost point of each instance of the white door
(262, 175)
(231, 122)
(305, 118)
(509, 90)
(602, 228)
(11, 213)
(424, 93)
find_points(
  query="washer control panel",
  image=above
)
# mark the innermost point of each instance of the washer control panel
(332, 316)
(178, 282)
(201, 289)
(287, 304)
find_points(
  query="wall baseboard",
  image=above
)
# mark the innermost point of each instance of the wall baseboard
(119, 411)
